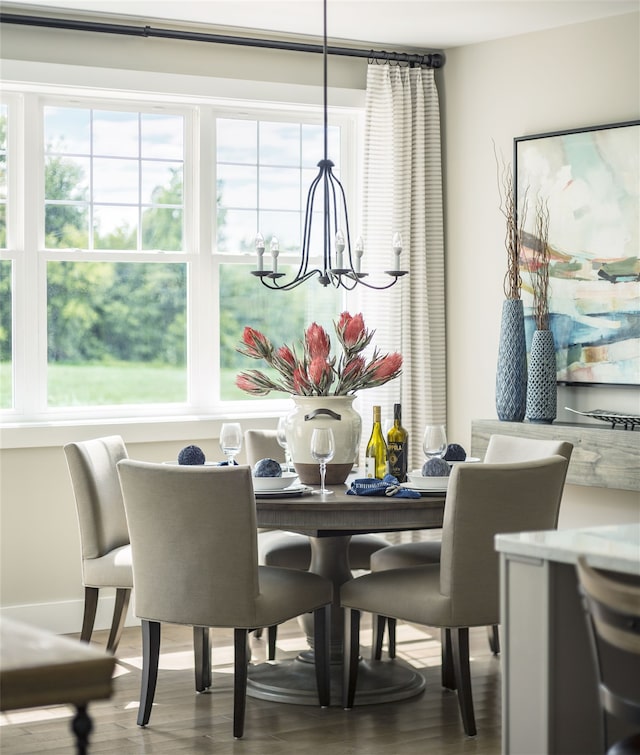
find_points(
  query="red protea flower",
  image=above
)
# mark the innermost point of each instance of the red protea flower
(317, 342)
(352, 333)
(320, 375)
(255, 344)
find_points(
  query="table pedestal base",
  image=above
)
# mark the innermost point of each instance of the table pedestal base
(293, 681)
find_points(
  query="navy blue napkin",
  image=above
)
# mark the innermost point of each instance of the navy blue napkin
(388, 486)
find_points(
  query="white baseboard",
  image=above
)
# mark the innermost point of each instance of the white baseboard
(65, 617)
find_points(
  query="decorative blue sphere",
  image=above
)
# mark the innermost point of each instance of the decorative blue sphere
(267, 468)
(191, 455)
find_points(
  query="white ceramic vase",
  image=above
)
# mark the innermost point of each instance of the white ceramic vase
(336, 412)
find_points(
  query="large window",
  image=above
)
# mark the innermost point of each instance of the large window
(125, 281)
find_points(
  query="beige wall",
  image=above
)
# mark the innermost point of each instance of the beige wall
(580, 75)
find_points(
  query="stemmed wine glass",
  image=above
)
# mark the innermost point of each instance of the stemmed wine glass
(322, 450)
(230, 440)
(434, 442)
(282, 442)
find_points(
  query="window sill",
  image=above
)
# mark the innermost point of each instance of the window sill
(132, 430)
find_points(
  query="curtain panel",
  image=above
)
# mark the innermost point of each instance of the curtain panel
(403, 192)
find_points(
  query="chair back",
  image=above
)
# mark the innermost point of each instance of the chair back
(262, 444)
(612, 607)
(193, 542)
(484, 500)
(502, 448)
(96, 488)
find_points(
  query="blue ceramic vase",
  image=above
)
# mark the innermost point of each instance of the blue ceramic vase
(511, 373)
(542, 392)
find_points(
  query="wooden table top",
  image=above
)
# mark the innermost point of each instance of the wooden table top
(349, 514)
(40, 668)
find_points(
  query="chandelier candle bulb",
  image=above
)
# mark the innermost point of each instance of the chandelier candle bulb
(359, 251)
(397, 250)
(259, 251)
(339, 250)
(275, 251)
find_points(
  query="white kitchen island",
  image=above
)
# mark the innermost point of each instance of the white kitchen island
(550, 701)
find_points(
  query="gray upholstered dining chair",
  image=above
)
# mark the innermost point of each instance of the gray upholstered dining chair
(104, 536)
(501, 448)
(195, 562)
(611, 603)
(462, 590)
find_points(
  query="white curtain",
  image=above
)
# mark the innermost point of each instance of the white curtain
(403, 192)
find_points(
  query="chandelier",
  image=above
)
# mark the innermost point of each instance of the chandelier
(341, 265)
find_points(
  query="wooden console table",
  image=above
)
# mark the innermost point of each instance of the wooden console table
(601, 458)
(40, 668)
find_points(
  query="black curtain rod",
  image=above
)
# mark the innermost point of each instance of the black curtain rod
(428, 60)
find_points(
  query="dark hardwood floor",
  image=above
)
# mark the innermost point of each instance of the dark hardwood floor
(186, 722)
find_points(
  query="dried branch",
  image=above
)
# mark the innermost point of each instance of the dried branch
(540, 268)
(512, 283)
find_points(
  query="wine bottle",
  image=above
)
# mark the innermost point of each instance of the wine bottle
(398, 444)
(375, 457)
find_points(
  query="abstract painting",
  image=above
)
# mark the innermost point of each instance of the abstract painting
(589, 181)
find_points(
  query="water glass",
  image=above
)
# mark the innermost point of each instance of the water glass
(230, 440)
(322, 450)
(434, 442)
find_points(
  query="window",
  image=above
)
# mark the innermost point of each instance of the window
(128, 281)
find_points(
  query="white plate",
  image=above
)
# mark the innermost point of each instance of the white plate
(434, 484)
(262, 484)
(430, 485)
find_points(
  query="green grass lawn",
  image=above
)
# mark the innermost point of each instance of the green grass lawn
(108, 385)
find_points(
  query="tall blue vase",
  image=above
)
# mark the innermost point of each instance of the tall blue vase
(511, 373)
(542, 392)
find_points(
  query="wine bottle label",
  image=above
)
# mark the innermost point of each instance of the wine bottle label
(369, 466)
(398, 460)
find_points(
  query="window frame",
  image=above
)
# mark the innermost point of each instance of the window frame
(200, 254)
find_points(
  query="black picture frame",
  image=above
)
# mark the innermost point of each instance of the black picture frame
(589, 180)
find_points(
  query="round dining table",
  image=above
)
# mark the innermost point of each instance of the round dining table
(330, 521)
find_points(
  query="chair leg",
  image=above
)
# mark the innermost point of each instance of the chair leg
(240, 674)
(257, 633)
(448, 673)
(90, 608)
(202, 657)
(119, 615)
(391, 624)
(494, 639)
(351, 655)
(150, 659)
(322, 654)
(378, 636)
(272, 636)
(460, 646)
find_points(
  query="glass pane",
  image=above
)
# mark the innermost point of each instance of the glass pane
(237, 186)
(66, 178)
(115, 227)
(67, 130)
(280, 144)
(6, 336)
(313, 144)
(282, 316)
(280, 188)
(115, 180)
(115, 133)
(161, 183)
(162, 136)
(162, 228)
(284, 225)
(116, 333)
(237, 230)
(3, 226)
(237, 141)
(66, 226)
(3, 151)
